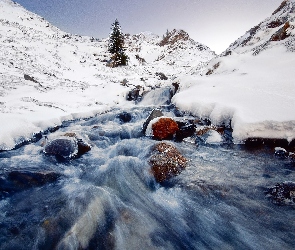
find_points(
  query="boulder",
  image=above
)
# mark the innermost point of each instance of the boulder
(164, 128)
(186, 129)
(154, 114)
(62, 147)
(66, 147)
(166, 161)
(124, 117)
(282, 193)
(83, 147)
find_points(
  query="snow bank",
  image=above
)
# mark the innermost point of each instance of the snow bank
(255, 93)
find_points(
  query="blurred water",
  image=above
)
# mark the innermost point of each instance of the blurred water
(108, 199)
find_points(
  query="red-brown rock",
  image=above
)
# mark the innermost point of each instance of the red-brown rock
(166, 161)
(164, 128)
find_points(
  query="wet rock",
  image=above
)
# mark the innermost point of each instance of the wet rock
(186, 129)
(125, 117)
(154, 114)
(281, 152)
(176, 88)
(166, 161)
(17, 181)
(210, 134)
(83, 147)
(205, 129)
(282, 193)
(67, 147)
(62, 147)
(164, 128)
(253, 143)
(133, 95)
(70, 134)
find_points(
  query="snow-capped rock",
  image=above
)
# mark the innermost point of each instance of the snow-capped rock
(181, 50)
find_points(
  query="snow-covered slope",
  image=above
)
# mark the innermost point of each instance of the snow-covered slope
(175, 49)
(48, 76)
(252, 84)
(276, 30)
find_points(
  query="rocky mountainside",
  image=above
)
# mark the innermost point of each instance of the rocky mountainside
(275, 30)
(175, 48)
(275, 33)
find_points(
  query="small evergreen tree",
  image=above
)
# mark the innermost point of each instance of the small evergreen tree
(116, 45)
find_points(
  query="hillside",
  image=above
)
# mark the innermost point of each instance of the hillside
(48, 76)
(251, 85)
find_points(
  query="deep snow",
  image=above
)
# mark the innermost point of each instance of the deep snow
(71, 81)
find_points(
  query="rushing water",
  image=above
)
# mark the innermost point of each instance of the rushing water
(108, 199)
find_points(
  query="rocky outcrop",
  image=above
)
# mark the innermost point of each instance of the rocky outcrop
(173, 37)
(281, 34)
(166, 161)
(164, 128)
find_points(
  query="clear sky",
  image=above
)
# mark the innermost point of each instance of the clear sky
(214, 23)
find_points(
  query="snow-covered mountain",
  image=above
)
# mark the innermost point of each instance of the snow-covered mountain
(175, 49)
(275, 30)
(48, 76)
(251, 85)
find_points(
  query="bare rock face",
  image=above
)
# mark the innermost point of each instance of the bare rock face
(281, 34)
(166, 161)
(174, 36)
(164, 128)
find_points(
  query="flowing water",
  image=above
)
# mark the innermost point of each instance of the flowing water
(108, 199)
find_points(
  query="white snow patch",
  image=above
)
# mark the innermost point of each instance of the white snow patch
(258, 98)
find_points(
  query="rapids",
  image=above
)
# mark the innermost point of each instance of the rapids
(108, 199)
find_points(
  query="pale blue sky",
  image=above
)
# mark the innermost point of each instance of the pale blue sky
(214, 23)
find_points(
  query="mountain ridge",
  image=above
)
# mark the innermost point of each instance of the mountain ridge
(276, 28)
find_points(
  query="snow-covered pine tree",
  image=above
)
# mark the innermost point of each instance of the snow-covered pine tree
(116, 45)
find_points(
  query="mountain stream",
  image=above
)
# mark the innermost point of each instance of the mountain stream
(108, 198)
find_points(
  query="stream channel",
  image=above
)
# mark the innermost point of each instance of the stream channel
(108, 198)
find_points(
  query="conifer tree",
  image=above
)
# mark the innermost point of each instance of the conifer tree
(116, 45)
